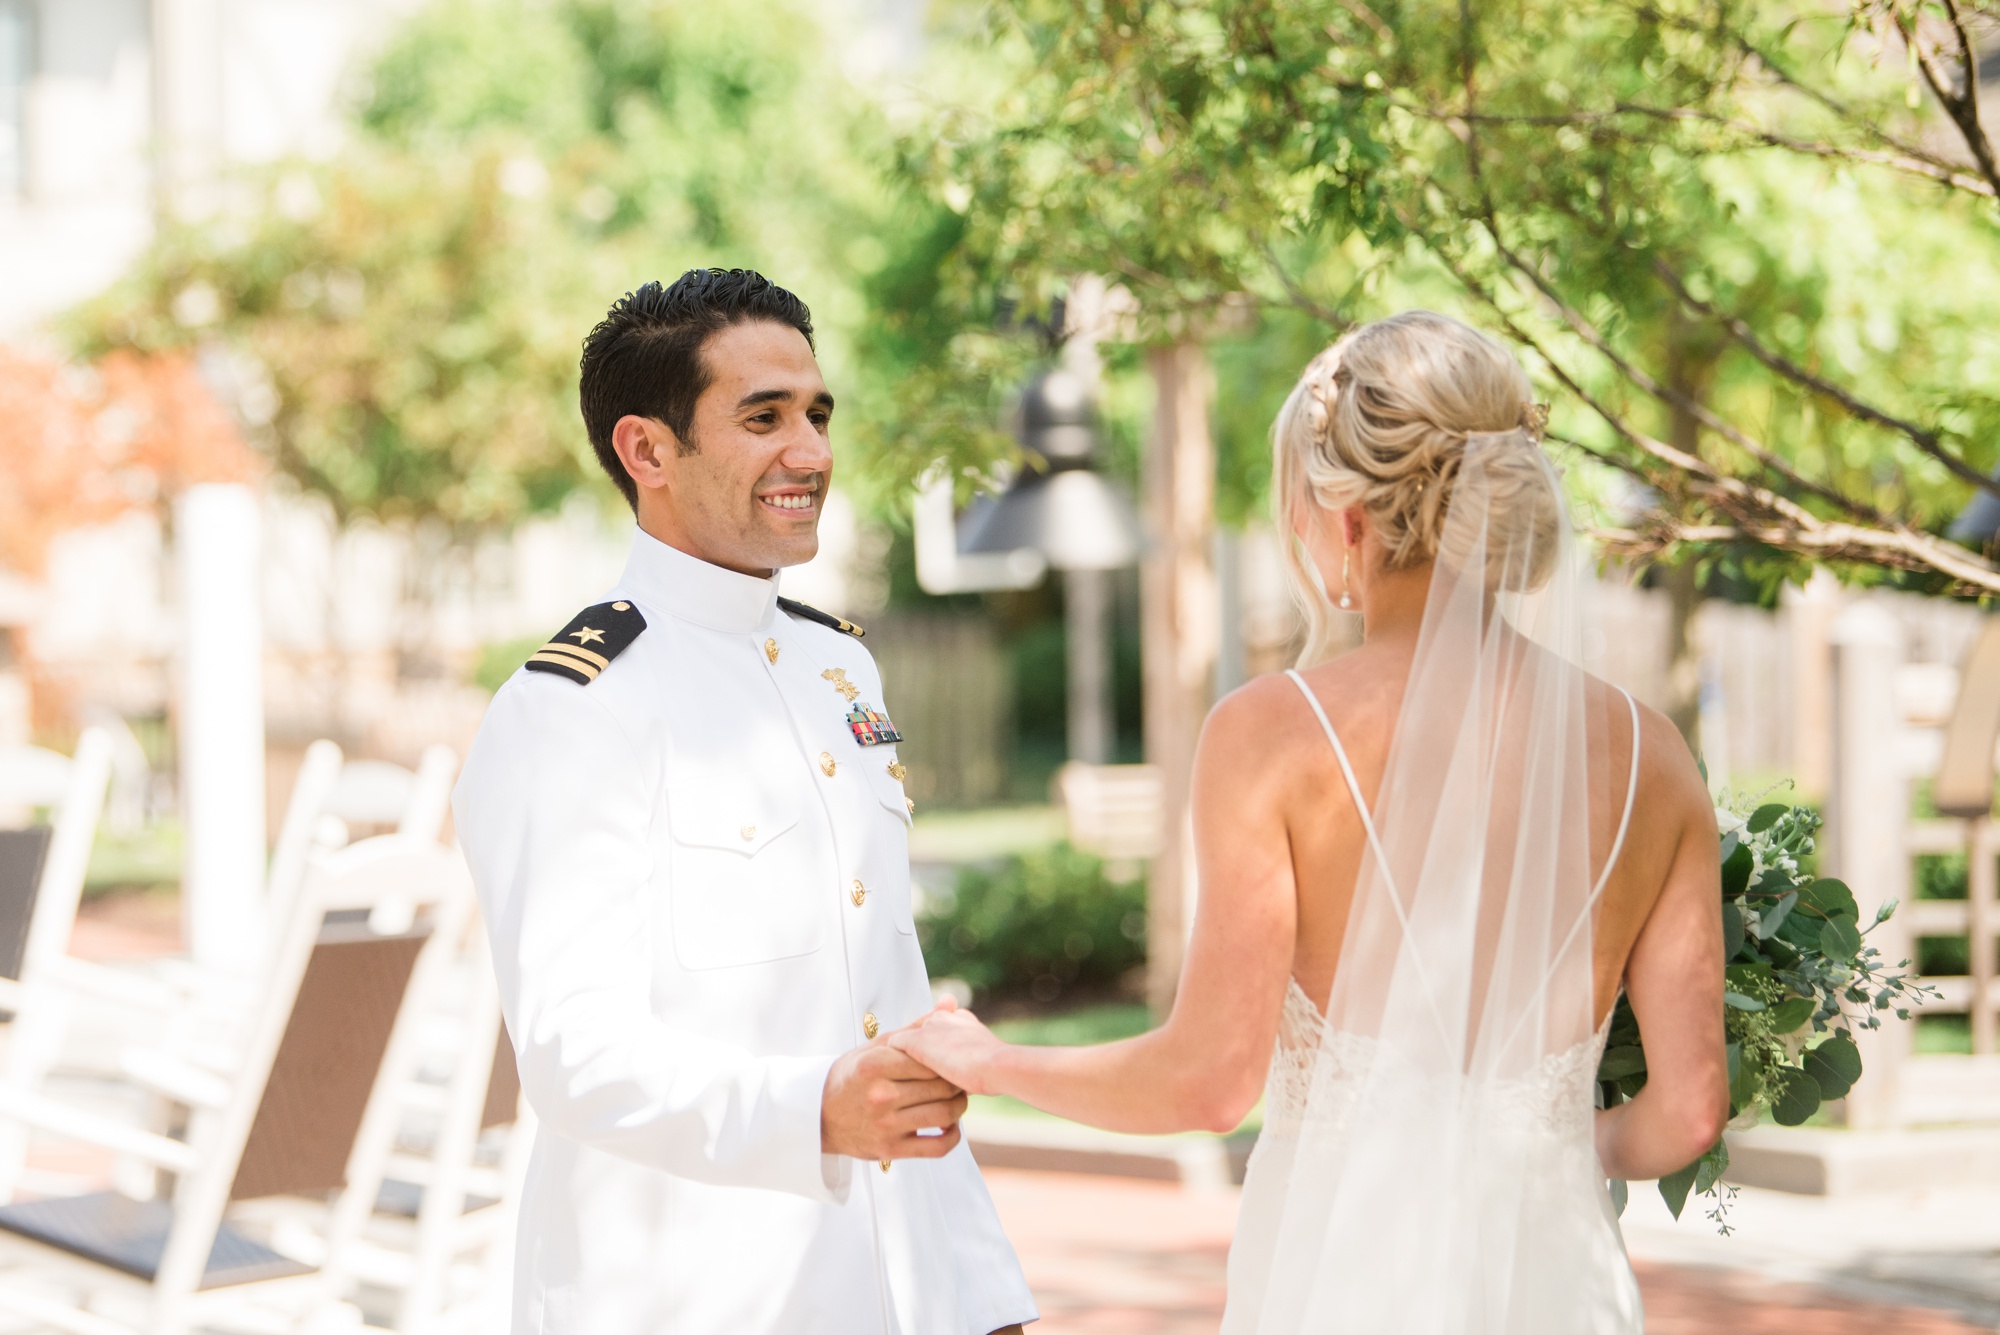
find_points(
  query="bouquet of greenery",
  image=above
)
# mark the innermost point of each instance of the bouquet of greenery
(1800, 978)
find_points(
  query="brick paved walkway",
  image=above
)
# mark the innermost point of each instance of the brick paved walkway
(1118, 1256)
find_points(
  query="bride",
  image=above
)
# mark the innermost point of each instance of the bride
(1427, 867)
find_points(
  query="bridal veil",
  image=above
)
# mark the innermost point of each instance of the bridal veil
(1428, 1165)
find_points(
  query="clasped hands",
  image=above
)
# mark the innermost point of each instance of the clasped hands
(901, 1095)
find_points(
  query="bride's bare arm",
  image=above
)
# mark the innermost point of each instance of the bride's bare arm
(1204, 1068)
(1674, 980)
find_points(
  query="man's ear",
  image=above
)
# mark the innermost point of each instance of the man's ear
(644, 445)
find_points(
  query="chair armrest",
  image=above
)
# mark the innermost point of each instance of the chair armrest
(46, 1114)
(115, 984)
(174, 1078)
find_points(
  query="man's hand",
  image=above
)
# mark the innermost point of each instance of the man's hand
(876, 1101)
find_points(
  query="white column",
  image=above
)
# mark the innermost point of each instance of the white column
(187, 104)
(1866, 841)
(1087, 612)
(221, 723)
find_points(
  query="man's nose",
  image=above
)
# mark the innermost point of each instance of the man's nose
(807, 450)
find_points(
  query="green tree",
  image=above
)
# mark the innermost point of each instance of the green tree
(1748, 245)
(405, 318)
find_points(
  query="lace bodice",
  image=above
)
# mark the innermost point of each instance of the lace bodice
(1318, 1076)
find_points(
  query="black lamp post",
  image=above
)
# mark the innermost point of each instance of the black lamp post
(1060, 506)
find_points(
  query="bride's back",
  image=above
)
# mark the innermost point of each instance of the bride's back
(1362, 694)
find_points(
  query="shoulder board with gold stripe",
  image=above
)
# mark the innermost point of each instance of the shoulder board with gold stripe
(827, 619)
(586, 646)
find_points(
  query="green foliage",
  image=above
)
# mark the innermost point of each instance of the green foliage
(500, 660)
(1034, 925)
(1687, 203)
(1799, 979)
(394, 319)
(406, 317)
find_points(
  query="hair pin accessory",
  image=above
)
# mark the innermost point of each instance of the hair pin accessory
(1535, 420)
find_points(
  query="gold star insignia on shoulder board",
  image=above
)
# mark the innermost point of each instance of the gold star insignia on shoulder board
(610, 626)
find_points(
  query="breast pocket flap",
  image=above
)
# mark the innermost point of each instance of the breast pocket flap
(731, 817)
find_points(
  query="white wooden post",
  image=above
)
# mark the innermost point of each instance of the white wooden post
(1866, 841)
(1178, 633)
(221, 724)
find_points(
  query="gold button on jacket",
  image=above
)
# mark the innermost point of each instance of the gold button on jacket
(870, 1025)
(859, 894)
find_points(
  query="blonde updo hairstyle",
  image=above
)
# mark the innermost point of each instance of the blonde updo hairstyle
(1382, 420)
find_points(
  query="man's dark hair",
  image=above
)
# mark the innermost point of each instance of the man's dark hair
(644, 358)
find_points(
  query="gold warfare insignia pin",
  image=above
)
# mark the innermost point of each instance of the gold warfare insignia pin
(838, 676)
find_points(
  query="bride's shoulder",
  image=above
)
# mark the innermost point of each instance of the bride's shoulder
(1270, 715)
(1667, 769)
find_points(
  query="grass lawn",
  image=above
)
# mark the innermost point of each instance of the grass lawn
(990, 832)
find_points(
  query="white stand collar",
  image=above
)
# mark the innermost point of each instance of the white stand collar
(694, 590)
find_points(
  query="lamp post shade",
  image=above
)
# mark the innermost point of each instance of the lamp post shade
(1058, 505)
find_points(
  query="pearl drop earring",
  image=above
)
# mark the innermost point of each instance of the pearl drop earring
(1347, 580)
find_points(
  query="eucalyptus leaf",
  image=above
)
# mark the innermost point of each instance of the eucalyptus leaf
(1829, 898)
(1834, 1066)
(1764, 817)
(1674, 1188)
(1736, 869)
(1840, 939)
(1790, 1013)
(1795, 1096)
(1620, 1193)
(1774, 917)
(1733, 930)
(1737, 1001)
(1709, 1168)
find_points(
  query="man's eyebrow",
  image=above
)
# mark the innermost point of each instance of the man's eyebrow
(823, 399)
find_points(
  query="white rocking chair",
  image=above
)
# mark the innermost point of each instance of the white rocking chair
(310, 1112)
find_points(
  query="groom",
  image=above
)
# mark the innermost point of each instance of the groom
(686, 821)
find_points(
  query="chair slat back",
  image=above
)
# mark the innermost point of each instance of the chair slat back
(22, 855)
(337, 1017)
(503, 1086)
(327, 1061)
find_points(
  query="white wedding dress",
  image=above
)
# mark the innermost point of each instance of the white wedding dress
(1427, 1163)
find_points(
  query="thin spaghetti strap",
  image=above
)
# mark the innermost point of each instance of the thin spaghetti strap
(1631, 794)
(1617, 847)
(1374, 840)
(1339, 751)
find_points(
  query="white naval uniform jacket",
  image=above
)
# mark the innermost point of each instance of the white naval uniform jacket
(697, 886)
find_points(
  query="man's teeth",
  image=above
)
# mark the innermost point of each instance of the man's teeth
(791, 502)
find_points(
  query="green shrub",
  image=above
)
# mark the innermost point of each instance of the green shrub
(1037, 924)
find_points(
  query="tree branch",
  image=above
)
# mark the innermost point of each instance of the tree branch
(1760, 515)
(1585, 330)
(1926, 440)
(1776, 69)
(1962, 107)
(1912, 163)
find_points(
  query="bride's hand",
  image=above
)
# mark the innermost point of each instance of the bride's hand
(953, 1043)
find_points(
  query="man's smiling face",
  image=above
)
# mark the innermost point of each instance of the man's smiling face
(746, 490)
